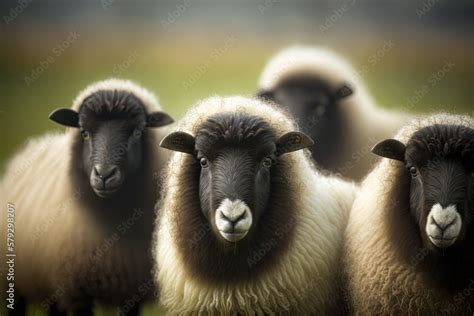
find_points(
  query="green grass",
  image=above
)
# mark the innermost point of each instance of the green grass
(148, 310)
(25, 108)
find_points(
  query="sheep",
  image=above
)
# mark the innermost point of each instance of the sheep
(326, 95)
(409, 241)
(84, 202)
(246, 227)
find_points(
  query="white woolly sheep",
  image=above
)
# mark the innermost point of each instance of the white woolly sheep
(84, 201)
(247, 227)
(409, 241)
(324, 93)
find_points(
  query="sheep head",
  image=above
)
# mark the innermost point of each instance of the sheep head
(306, 95)
(111, 125)
(236, 153)
(316, 105)
(440, 161)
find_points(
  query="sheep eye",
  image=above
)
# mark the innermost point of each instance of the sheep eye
(413, 171)
(85, 135)
(267, 162)
(203, 162)
(137, 133)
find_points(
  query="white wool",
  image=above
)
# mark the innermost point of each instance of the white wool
(44, 201)
(378, 282)
(53, 231)
(303, 281)
(368, 123)
(318, 61)
(148, 99)
(325, 65)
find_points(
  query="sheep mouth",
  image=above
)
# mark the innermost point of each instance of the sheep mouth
(105, 193)
(441, 242)
(233, 236)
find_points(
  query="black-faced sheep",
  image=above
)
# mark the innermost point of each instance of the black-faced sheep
(246, 226)
(409, 241)
(84, 201)
(331, 105)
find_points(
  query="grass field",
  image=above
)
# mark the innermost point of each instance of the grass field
(394, 79)
(148, 310)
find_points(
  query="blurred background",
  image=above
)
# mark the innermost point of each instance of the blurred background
(186, 50)
(413, 55)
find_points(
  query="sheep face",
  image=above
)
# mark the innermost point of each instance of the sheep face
(234, 186)
(111, 128)
(313, 103)
(235, 153)
(440, 161)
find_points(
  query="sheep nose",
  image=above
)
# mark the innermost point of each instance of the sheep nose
(235, 216)
(233, 219)
(443, 225)
(104, 172)
(234, 213)
(108, 176)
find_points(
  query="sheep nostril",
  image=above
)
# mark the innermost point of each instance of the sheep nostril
(230, 220)
(226, 218)
(112, 173)
(443, 226)
(96, 173)
(233, 219)
(241, 217)
(106, 175)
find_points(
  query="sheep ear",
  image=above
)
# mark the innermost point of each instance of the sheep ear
(179, 141)
(157, 119)
(265, 95)
(390, 148)
(293, 141)
(343, 92)
(66, 117)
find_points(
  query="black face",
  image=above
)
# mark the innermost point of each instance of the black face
(234, 184)
(236, 154)
(312, 102)
(112, 126)
(111, 150)
(306, 97)
(440, 162)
